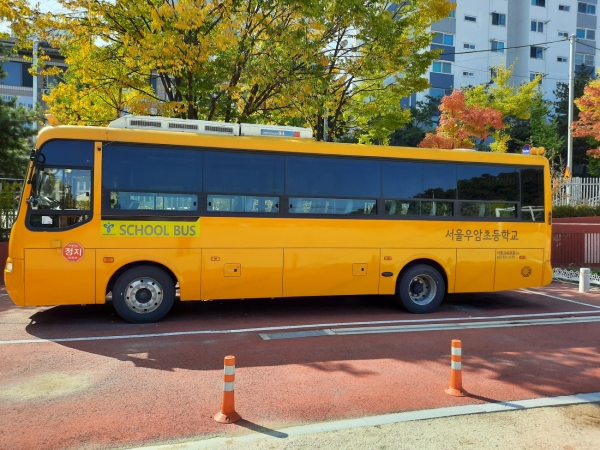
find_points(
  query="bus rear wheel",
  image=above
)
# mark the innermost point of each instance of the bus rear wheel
(143, 294)
(421, 289)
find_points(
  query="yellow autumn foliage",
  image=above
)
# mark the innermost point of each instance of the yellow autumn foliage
(256, 61)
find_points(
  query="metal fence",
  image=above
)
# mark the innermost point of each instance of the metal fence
(573, 275)
(10, 190)
(583, 191)
(578, 249)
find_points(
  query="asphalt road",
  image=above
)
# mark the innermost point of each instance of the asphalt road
(80, 377)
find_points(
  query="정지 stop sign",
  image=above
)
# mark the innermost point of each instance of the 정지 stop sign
(73, 251)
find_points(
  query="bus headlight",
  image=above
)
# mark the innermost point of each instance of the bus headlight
(8, 266)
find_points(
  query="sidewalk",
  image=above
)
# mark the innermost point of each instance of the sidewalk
(510, 425)
(564, 428)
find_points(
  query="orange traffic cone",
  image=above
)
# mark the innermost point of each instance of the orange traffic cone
(227, 413)
(456, 388)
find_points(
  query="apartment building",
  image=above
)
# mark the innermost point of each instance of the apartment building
(19, 82)
(530, 33)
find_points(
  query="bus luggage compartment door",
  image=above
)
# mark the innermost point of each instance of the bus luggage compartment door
(330, 271)
(474, 270)
(241, 273)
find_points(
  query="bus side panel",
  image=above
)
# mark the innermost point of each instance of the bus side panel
(330, 271)
(68, 283)
(184, 263)
(401, 257)
(241, 273)
(520, 268)
(475, 269)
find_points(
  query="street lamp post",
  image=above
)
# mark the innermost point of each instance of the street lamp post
(570, 114)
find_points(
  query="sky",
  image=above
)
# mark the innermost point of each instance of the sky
(45, 6)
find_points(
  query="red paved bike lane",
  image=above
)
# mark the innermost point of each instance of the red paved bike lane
(115, 393)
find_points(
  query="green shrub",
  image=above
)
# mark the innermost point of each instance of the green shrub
(559, 212)
(8, 208)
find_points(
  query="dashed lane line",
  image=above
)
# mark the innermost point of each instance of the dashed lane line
(409, 416)
(431, 327)
(288, 327)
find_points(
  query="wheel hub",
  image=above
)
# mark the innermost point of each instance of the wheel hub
(416, 288)
(143, 295)
(422, 289)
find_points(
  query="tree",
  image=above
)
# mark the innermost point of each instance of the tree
(588, 123)
(485, 110)
(423, 118)
(461, 124)
(253, 61)
(538, 131)
(15, 129)
(583, 76)
(513, 102)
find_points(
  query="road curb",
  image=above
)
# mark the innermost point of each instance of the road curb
(409, 416)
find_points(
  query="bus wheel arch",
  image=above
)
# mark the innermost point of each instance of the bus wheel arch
(121, 270)
(421, 286)
(143, 293)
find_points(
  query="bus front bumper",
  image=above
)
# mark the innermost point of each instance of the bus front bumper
(14, 280)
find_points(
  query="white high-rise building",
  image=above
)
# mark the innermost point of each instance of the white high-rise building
(530, 33)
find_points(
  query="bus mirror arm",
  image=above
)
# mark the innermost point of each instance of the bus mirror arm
(32, 201)
(41, 158)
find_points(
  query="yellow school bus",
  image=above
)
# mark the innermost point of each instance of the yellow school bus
(150, 205)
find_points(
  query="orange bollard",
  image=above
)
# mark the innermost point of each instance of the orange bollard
(456, 388)
(227, 413)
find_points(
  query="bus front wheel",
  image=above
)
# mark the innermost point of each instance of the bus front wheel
(143, 294)
(421, 289)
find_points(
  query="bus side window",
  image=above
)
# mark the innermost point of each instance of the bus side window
(344, 206)
(59, 194)
(532, 194)
(242, 204)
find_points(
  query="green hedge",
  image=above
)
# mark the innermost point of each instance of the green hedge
(8, 208)
(559, 212)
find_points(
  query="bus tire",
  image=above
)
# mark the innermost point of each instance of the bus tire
(143, 294)
(421, 289)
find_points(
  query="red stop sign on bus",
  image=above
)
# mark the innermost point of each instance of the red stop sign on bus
(73, 251)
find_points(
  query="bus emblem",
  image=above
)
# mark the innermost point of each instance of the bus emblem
(109, 226)
(526, 271)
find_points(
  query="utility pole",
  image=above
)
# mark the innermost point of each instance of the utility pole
(35, 78)
(570, 114)
(35, 96)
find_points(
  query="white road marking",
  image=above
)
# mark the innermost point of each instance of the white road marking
(265, 336)
(465, 326)
(289, 327)
(560, 298)
(409, 416)
(439, 327)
